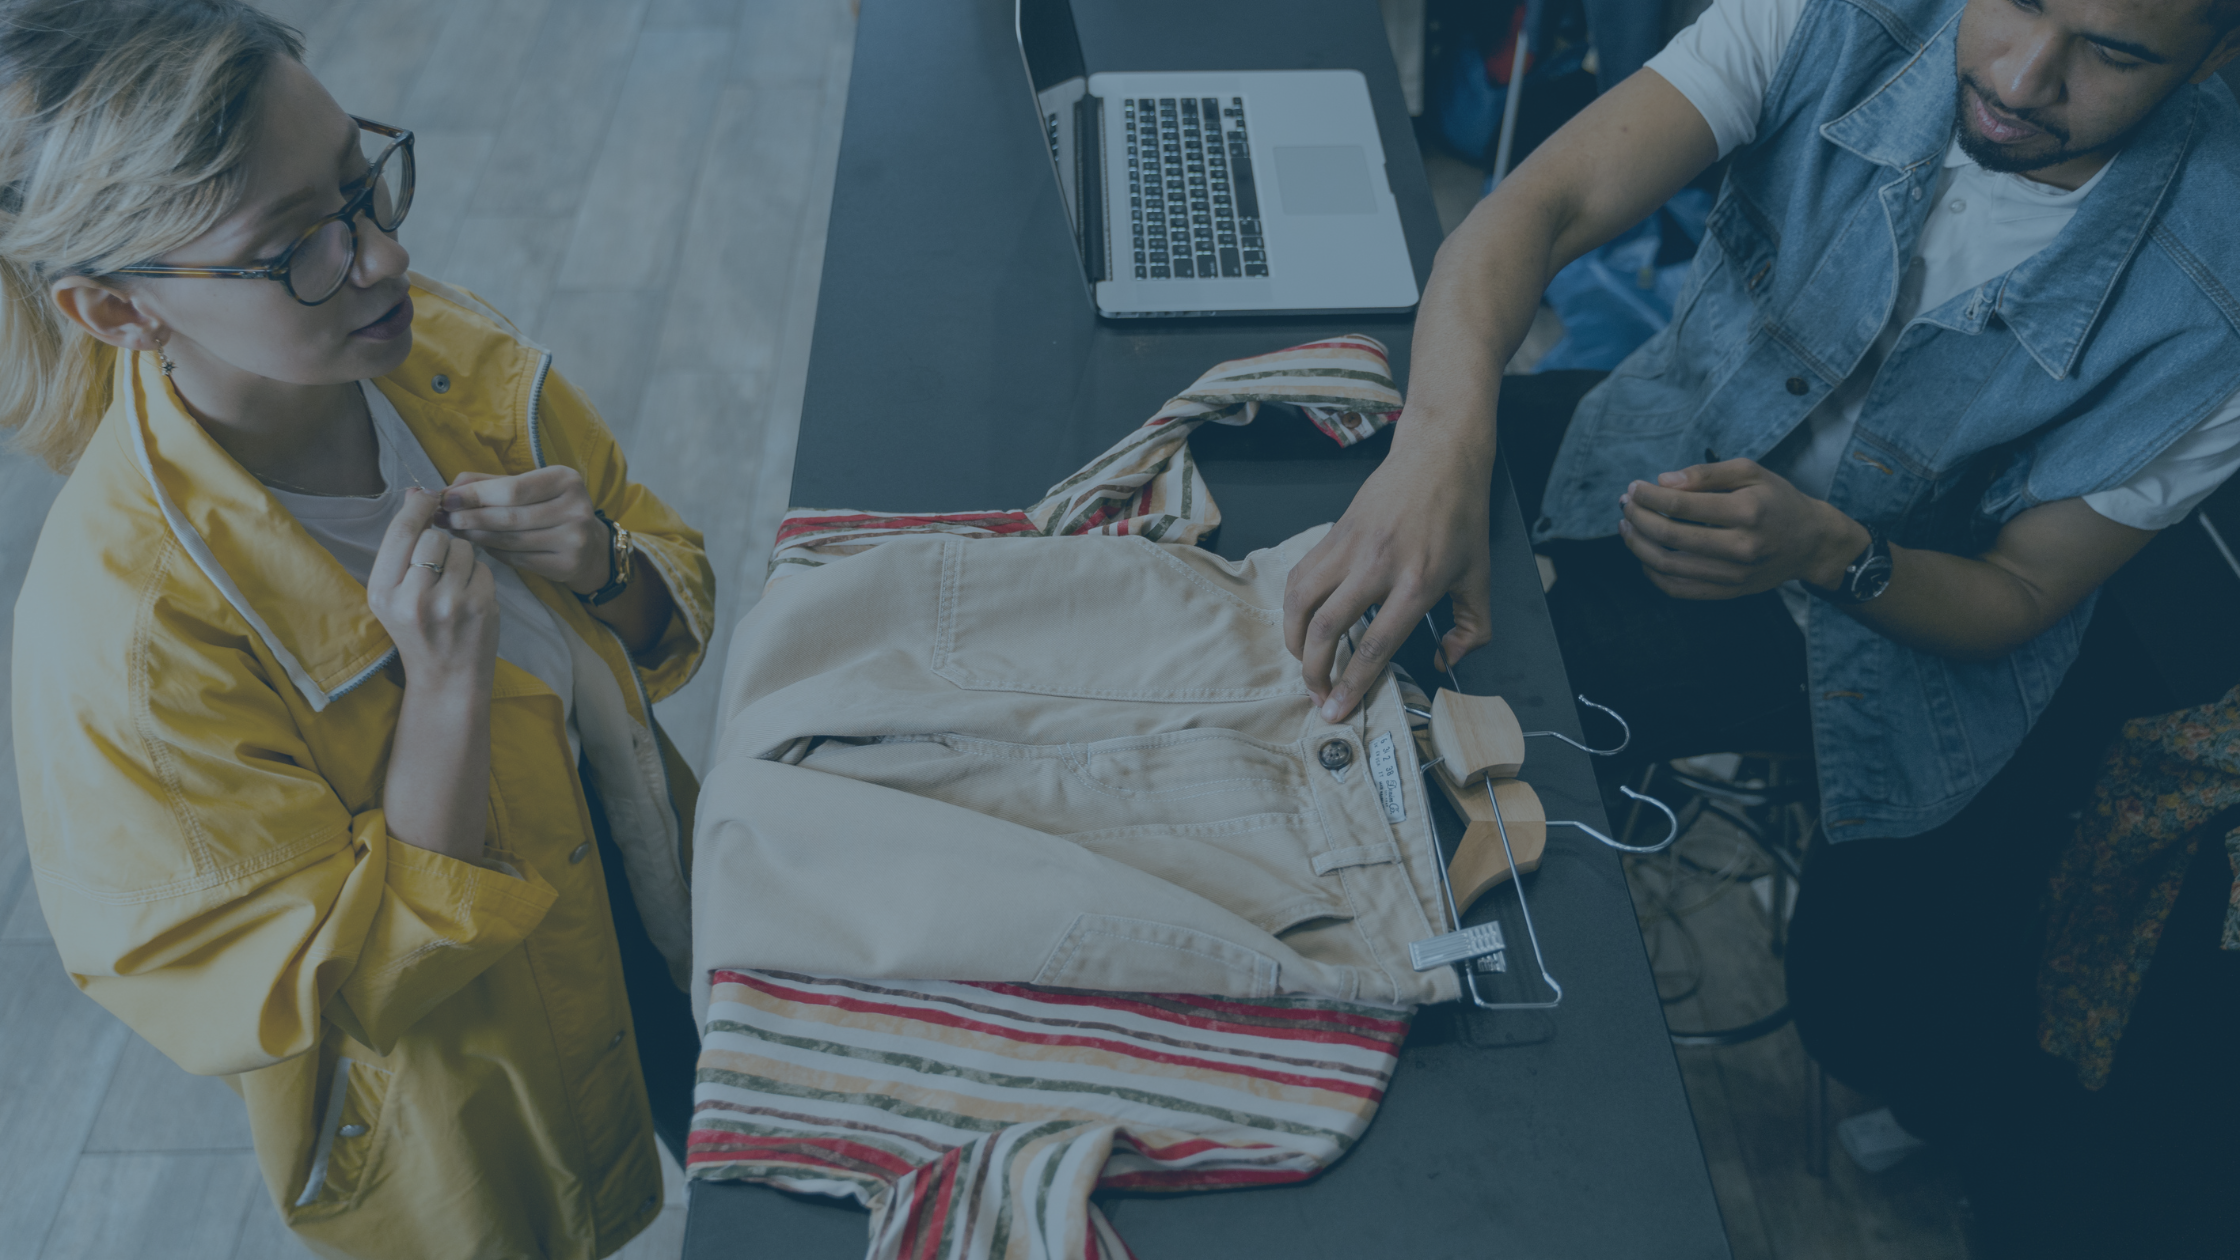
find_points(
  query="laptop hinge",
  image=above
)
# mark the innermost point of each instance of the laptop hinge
(1088, 157)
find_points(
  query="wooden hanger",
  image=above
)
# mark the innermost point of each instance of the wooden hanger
(1479, 862)
(1478, 735)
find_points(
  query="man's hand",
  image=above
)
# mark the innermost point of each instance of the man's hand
(1717, 531)
(539, 522)
(1416, 531)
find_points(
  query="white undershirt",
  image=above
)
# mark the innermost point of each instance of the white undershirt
(351, 528)
(1981, 225)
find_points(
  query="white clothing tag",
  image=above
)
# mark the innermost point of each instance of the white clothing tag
(1385, 768)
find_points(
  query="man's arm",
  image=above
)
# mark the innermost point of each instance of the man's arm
(1715, 531)
(1417, 530)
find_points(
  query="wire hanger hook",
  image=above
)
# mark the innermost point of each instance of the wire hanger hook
(1672, 833)
(1623, 725)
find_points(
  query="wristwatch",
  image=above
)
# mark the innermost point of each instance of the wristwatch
(618, 538)
(1865, 578)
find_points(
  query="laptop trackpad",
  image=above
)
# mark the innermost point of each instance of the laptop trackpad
(1324, 179)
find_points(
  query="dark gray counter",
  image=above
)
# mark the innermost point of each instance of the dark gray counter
(958, 365)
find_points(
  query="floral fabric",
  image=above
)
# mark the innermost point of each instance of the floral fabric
(2166, 779)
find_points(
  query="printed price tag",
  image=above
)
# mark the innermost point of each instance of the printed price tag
(1384, 766)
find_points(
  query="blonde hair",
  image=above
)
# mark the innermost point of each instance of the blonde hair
(123, 129)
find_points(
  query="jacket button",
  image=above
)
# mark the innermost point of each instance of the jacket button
(579, 853)
(652, 1201)
(351, 1130)
(615, 1040)
(1796, 385)
(441, 384)
(1335, 755)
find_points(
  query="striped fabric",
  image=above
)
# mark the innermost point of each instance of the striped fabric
(1147, 484)
(975, 1119)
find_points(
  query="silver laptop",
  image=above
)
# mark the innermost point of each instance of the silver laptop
(1216, 192)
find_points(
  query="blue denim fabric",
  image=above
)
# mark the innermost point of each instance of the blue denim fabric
(2061, 377)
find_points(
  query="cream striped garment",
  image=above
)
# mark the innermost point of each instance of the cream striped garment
(975, 1119)
(1147, 484)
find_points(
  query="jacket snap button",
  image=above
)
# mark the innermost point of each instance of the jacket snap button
(1917, 192)
(441, 384)
(615, 1040)
(1336, 755)
(1796, 385)
(580, 852)
(351, 1130)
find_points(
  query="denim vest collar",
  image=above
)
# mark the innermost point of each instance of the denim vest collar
(2051, 300)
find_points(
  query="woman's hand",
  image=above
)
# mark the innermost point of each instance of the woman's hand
(1415, 532)
(539, 522)
(440, 606)
(436, 600)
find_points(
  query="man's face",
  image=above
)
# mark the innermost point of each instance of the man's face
(2054, 86)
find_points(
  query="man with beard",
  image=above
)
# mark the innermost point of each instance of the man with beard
(1962, 334)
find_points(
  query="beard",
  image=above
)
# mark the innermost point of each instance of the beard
(2009, 159)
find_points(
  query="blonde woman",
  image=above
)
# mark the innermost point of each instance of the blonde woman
(334, 668)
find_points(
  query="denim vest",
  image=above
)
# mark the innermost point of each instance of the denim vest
(2062, 377)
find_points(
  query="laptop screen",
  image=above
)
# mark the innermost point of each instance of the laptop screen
(1059, 77)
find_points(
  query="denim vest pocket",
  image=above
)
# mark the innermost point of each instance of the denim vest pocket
(1102, 951)
(1218, 644)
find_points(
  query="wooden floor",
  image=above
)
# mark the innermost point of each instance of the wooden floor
(643, 185)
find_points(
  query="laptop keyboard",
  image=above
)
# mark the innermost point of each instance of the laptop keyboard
(1193, 209)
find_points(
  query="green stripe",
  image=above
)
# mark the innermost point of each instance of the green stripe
(934, 1067)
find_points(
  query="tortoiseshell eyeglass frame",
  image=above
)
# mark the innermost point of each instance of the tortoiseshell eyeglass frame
(360, 202)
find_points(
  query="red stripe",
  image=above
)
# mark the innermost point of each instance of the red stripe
(946, 1020)
(1378, 1034)
(994, 522)
(1190, 1180)
(1372, 1032)
(838, 1146)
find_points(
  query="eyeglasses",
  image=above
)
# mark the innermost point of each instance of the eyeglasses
(314, 267)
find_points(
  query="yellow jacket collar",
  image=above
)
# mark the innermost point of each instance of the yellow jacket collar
(469, 391)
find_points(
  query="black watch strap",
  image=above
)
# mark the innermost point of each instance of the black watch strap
(1865, 577)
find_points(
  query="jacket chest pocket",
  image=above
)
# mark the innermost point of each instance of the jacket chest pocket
(1105, 619)
(351, 1130)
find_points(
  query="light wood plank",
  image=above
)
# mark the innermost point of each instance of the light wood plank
(633, 209)
(677, 15)
(57, 1050)
(472, 72)
(699, 442)
(559, 112)
(152, 1104)
(449, 163)
(744, 237)
(603, 342)
(178, 1206)
(509, 261)
(789, 41)
(374, 57)
(316, 20)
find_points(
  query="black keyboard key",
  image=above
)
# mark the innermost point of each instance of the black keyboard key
(1231, 265)
(1181, 267)
(1256, 269)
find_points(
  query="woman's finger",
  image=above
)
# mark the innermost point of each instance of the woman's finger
(543, 514)
(397, 543)
(556, 539)
(428, 554)
(458, 565)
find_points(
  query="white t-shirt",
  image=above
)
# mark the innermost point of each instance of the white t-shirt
(1981, 226)
(351, 528)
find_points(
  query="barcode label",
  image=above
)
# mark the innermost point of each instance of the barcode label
(1384, 766)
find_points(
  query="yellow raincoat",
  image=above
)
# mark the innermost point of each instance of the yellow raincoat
(436, 1056)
